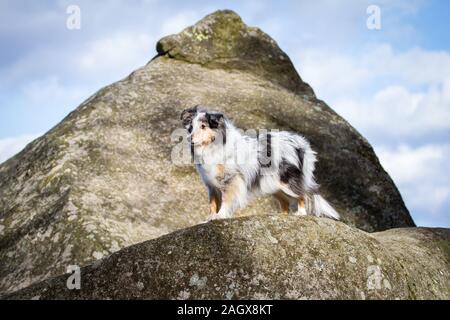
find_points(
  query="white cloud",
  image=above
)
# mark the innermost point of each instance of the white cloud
(395, 98)
(408, 165)
(337, 73)
(397, 112)
(414, 66)
(332, 74)
(384, 92)
(50, 92)
(178, 22)
(421, 174)
(11, 146)
(118, 53)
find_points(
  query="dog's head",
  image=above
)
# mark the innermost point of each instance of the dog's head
(204, 127)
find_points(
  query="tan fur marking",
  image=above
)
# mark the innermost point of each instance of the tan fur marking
(284, 204)
(230, 191)
(208, 137)
(204, 136)
(214, 204)
(220, 171)
(301, 202)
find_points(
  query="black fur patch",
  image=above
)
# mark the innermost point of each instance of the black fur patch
(301, 155)
(291, 175)
(255, 182)
(186, 117)
(216, 121)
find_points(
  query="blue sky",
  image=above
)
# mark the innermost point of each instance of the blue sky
(392, 84)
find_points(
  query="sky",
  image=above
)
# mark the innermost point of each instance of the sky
(392, 83)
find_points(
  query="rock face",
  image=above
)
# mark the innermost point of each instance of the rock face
(103, 178)
(268, 257)
(223, 41)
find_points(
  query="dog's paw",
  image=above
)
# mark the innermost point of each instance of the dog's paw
(301, 212)
(211, 217)
(216, 216)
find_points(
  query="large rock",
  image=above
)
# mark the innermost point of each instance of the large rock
(268, 257)
(103, 178)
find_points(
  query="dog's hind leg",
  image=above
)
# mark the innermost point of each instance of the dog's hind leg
(284, 203)
(214, 200)
(301, 211)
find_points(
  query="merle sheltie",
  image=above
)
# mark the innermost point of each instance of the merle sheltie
(236, 167)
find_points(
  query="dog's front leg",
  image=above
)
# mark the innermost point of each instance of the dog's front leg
(233, 196)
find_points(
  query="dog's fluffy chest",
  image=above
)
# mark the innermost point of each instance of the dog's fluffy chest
(214, 174)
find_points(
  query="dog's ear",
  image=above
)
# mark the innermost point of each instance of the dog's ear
(187, 115)
(215, 120)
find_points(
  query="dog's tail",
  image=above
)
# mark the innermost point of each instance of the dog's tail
(316, 205)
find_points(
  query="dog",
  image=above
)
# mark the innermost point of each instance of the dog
(236, 167)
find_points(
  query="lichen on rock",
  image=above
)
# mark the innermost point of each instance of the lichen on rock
(222, 40)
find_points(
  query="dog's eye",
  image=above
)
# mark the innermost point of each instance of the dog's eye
(202, 126)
